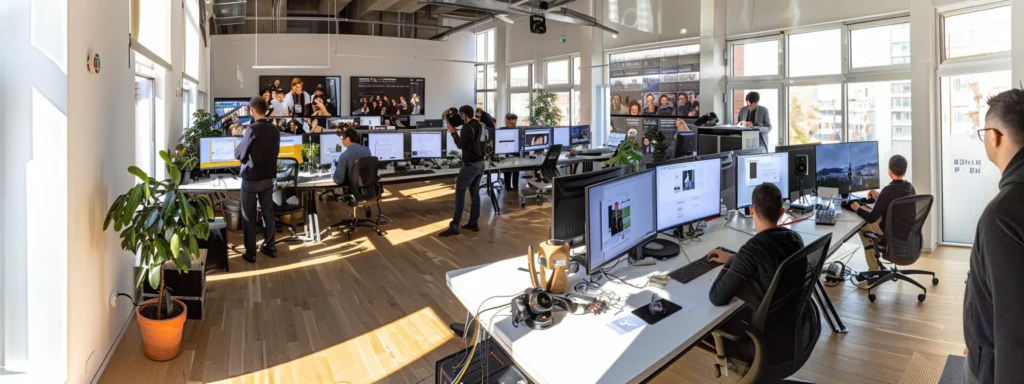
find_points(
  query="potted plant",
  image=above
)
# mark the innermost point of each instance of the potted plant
(160, 225)
(627, 153)
(311, 156)
(543, 110)
(657, 138)
(202, 126)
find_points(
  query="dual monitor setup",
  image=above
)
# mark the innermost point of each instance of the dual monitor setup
(219, 152)
(508, 141)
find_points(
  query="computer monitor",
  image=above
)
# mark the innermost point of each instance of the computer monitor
(754, 170)
(536, 139)
(229, 106)
(677, 160)
(567, 201)
(338, 122)
(218, 152)
(850, 167)
(450, 144)
(728, 177)
(801, 168)
(620, 216)
(387, 146)
(430, 123)
(561, 136)
(425, 145)
(330, 148)
(579, 134)
(688, 192)
(686, 143)
(369, 121)
(614, 139)
(506, 141)
(291, 147)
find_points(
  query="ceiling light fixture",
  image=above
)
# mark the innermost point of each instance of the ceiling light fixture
(682, 31)
(505, 18)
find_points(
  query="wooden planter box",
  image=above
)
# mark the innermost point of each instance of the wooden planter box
(188, 287)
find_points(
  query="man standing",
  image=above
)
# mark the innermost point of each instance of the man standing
(261, 143)
(993, 315)
(754, 115)
(473, 165)
(511, 178)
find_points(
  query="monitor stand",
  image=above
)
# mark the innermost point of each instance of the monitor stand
(661, 249)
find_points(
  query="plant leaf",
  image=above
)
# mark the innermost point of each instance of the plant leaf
(138, 173)
(154, 275)
(175, 174)
(166, 157)
(193, 247)
(175, 245)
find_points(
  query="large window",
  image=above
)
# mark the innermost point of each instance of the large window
(976, 33)
(557, 72)
(815, 114)
(815, 53)
(880, 46)
(519, 104)
(519, 76)
(193, 45)
(153, 31)
(880, 111)
(486, 77)
(759, 58)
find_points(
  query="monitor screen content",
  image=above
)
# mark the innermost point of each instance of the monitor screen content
(560, 136)
(330, 148)
(686, 143)
(759, 169)
(620, 216)
(218, 152)
(850, 167)
(291, 147)
(368, 121)
(614, 139)
(506, 141)
(450, 144)
(536, 139)
(388, 95)
(308, 86)
(580, 134)
(338, 122)
(425, 145)
(225, 107)
(567, 201)
(387, 146)
(688, 192)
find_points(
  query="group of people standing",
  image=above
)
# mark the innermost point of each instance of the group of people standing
(381, 105)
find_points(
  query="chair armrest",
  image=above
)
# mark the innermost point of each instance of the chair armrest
(873, 236)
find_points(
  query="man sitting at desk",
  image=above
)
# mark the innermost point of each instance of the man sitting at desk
(875, 217)
(347, 161)
(748, 274)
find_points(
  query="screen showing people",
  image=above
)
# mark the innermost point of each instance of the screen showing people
(560, 136)
(425, 145)
(506, 141)
(850, 167)
(387, 146)
(536, 139)
(579, 134)
(688, 192)
(387, 96)
(302, 95)
(759, 169)
(621, 213)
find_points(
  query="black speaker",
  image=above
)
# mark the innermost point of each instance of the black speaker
(538, 24)
(801, 165)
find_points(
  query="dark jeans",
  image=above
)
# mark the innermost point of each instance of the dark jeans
(968, 376)
(468, 179)
(254, 191)
(512, 180)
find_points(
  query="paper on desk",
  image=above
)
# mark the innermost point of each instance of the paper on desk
(626, 324)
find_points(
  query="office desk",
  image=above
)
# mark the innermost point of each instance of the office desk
(513, 164)
(582, 348)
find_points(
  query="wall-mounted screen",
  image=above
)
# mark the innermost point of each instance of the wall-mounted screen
(387, 95)
(299, 98)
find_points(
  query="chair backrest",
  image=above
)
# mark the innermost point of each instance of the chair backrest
(903, 222)
(549, 168)
(806, 265)
(364, 183)
(286, 182)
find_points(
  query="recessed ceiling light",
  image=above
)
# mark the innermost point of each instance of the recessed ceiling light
(682, 31)
(615, 35)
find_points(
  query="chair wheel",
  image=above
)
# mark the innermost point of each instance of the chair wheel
(920, 298)
(540, 203)
(935, 281)
(871, 297)
(522, 203)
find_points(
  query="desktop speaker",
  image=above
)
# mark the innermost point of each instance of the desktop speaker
(801, 165)
(538, 24)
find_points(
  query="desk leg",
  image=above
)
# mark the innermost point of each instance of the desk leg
(827, 310)
(312, 218)
(588, 166)
(490, 193)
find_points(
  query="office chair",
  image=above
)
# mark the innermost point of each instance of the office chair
(775, 366)
(285, 189)
(902, 243)
(541, 182)
(364, 186)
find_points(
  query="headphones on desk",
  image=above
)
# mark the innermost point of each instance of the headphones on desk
(534, 307)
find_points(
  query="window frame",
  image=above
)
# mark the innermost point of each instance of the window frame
(844, 58)
(955, 10)
(731, 58)
(850, 28)
(489, 69)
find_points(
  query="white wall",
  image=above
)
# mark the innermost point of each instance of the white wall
(667, 20)
(754, 16)
(446, 65)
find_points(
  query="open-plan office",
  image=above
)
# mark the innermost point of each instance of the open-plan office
(560, 191)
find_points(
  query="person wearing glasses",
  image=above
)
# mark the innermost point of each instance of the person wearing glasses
(994, 293)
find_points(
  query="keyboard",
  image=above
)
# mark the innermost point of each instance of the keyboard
(411, 172)
(695, 269)
(594, 151)
(826, 216)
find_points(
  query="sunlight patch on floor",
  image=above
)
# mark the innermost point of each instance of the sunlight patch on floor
(399, 236)
(363, 246)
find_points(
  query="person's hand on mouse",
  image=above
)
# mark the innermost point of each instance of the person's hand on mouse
(719, 256)
(855, 206)
(872, 194)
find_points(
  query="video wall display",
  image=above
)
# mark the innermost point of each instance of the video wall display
(299, 92)
(635, 127)
(388, 95)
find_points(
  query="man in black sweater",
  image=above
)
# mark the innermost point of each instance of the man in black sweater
(993, 311)
(875, 217)
(261, 143)
(473, 166)
(748, 274)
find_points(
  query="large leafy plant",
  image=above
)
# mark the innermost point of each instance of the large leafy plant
(627, 153)
(202, 126)
(160, 224)
(543, 111)
(657, 138)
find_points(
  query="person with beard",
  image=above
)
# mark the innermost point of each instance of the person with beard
(694, 104)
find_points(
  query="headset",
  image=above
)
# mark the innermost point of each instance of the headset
(534, 307)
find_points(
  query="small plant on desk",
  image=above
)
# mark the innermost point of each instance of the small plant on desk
(311, 155)
(627, 153)
(160, 225)
(454, 159)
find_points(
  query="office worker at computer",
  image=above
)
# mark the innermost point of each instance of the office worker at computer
(992, 302)
(261, 143)
(875, 217)
(511, 178)
(754, 115)
(473, 165)
(748, 274)
(347, 161)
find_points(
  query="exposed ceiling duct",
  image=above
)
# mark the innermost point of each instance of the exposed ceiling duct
(556, 11)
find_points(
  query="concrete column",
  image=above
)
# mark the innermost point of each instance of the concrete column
(590, 58)
(925, 129)
(1017, 47)
(712, 59)
(500, 67)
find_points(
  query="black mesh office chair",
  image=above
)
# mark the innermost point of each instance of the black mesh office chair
(364, 186)
(806, 265)
(902, 243)
(285, 190)
(540, 183)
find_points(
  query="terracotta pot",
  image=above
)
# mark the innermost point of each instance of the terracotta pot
(161, 339)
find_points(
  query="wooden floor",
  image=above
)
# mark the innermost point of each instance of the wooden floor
(376, 309)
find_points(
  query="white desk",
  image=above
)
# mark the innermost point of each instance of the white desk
(582, 348)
